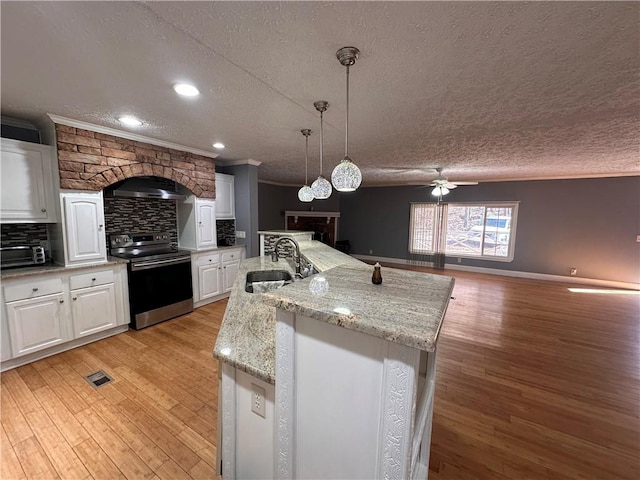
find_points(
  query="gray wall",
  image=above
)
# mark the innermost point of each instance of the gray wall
(589, 224)
(246, 197)
(275, 200)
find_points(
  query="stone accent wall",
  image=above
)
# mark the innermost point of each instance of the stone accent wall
(91, 161)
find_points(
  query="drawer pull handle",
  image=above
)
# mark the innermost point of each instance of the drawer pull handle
(61, 300)
(35, 289)
(75, 298)
(43, 210)
(93, 279)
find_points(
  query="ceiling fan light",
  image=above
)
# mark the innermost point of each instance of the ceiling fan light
(305, 194)
(346, 177)
(439, 191)
(321, 188)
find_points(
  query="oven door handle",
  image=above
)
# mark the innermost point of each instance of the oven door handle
(158, 263)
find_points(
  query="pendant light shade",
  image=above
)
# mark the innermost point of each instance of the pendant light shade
(321, 187)
(346, 177)
(305, 194)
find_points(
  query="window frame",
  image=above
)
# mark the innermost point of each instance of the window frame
(514, 205)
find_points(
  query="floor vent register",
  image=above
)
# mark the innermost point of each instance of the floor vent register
(98, 379)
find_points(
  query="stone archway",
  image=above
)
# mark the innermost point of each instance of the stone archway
(92, 161)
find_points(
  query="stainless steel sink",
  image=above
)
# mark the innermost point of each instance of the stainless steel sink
(261, 281)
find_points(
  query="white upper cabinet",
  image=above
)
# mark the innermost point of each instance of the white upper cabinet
(225, 196)
(205, 223)
(27, 189)
(84, 231)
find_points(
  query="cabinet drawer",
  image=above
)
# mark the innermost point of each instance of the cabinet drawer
(228, 256)
(32, 289)
(208, 259)
(84, 280)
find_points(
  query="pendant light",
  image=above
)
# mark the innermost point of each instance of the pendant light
(321, 187)
(346, 177)
(305, 194)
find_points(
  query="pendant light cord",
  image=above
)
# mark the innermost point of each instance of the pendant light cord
(321, 140)
(346, 126)
(306, 161)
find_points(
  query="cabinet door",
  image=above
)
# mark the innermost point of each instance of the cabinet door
(209, 281)
(225, 196)
(93, 309)
(26, 193)
(206, 223)
(84, 227)
(230, 272)
(37, 323)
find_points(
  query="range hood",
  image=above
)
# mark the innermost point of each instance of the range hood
(143, 187)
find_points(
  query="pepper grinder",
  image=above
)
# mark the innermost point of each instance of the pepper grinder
(376, 278)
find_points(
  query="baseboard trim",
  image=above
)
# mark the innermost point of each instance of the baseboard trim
(63, 347)
(508, 273)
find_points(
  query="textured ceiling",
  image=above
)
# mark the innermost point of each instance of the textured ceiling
(488, 91)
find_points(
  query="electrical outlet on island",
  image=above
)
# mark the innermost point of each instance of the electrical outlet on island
(241, 234)
(258, 400)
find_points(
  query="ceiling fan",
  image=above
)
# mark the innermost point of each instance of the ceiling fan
(443, 185)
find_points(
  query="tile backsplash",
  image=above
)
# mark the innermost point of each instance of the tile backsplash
(140, 215)
(226, 232)
(32, 234)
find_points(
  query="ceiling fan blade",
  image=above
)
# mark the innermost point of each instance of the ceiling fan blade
(465, 183)
(450, 186)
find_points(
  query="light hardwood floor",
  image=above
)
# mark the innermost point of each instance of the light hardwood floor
(534, 382)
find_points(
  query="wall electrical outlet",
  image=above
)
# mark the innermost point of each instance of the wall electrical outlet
(241, 234)
(370, 252)
(258, 400)
(573, 272)
(459, 260)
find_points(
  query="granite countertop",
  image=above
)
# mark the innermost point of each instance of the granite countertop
(203, 250)
(20, 272)
(284, 233)
(246, 338)
(407, 308)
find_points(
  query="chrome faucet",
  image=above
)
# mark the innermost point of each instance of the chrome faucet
(296, 253)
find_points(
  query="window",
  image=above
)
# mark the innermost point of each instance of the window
(467, 230)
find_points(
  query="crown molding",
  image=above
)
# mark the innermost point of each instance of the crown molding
(70, 122)
(233, 163)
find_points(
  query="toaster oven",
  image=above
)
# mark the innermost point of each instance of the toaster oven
(21, 256)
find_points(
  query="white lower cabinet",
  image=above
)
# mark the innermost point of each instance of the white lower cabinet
(209, 283)
(230, 268)
(214, 273)
(51, 313)
(93, 309)
(37, 323)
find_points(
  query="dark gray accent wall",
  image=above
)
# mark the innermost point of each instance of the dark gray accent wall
(275, 200)
(246, 198)
(589, 224)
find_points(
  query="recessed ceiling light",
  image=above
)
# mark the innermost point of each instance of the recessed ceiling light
(130, 120)
(186, 90)
(218, 145)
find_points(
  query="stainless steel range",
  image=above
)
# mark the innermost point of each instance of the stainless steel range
(159, 277)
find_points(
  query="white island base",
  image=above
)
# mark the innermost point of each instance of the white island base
(346, 404)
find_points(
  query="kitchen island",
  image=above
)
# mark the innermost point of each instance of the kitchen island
(331, 376)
